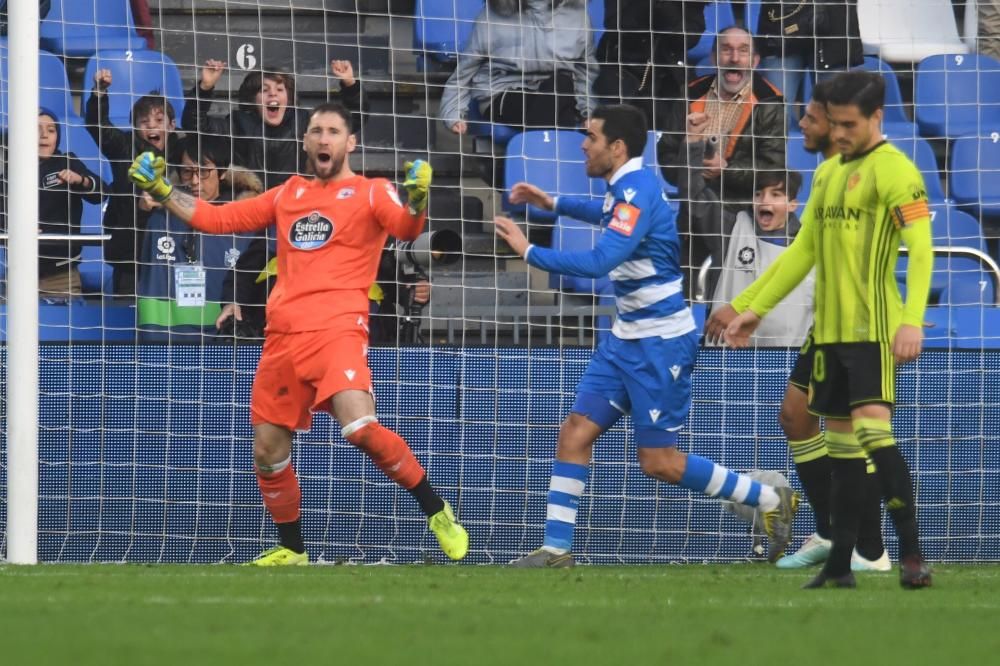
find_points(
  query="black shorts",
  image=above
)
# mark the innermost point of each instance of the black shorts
(803, 368)
(846, 375)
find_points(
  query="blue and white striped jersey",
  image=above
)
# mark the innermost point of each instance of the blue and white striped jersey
(638, 249)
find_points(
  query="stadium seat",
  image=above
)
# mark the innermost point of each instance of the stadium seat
(652, 160)
(718, 15)
(134, 74)
(799, 159)
(895, 121)
(955, 227)
(78, 28)
(552, 160)
(918, 150)
(957, 280)
(54, 93)
(906, 31)
(441, 26)
(977, 326)
(571, 235)
(975, 174)
(940, 329)
(957, 95)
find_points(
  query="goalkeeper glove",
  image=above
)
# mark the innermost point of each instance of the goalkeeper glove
(147, 173)
(418, 184)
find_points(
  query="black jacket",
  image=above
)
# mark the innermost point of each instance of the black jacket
(60, 208)
(123, 218)
(273, 153)
(648, 38)
(825, 33)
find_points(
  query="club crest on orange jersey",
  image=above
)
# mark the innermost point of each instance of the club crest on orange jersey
(624, 218)
(310, 232)
(345, 193)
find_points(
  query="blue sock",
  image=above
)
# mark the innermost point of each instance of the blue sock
(705, 476)
(565, 488)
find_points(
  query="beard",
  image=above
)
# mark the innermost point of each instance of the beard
(822, 145)
(327, 169)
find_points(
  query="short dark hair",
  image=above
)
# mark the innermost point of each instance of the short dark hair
(624, 122)
(865, 90)
(253, 83)
(339, 109)
(730, 28)
(821, 92)
(201, 148)
(146, 104)
(790, 181)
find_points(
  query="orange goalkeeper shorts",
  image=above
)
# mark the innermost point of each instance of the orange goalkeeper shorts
(300, 372)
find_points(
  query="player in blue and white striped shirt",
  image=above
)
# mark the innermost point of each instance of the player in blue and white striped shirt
(644, 367)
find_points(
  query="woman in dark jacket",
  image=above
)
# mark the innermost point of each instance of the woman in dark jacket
(266, 128)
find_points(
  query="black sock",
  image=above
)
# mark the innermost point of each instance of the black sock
(815, 478)
(870, 545)
(897, 489)
(430, 502)
(290, 536)
(847, 482)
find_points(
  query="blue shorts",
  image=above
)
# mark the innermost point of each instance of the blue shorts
(649, 378)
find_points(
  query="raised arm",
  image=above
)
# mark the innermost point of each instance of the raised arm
(114, 143)
(147, 172)
(195, 117)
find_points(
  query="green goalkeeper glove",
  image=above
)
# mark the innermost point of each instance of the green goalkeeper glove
(418, 184)
(147, 173)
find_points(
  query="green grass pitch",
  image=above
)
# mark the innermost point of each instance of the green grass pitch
(368, 615)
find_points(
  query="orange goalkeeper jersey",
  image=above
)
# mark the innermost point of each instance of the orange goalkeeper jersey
(330, 240)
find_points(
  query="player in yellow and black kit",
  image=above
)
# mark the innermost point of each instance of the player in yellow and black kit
(862, 205)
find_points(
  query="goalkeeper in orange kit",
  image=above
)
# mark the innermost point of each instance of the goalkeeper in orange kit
(331, 229)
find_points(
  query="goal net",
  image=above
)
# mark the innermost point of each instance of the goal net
(145, 443)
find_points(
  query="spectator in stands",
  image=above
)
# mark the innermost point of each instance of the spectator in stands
(143, 22)
(988, 33)
(43, 10)
(644, 50)
(125, 218)
(529, 63)
(748, 241)
(816, 38)
(733, 127)
(267, 127)
(204, 170)
(64, 183)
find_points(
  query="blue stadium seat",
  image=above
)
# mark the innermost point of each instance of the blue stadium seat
(78, 28)
(956, 281)
(894, 122)
(595, 9)
(799, 159)
(574, 236)
(920, 151)
(978, 327)
(54, 93)
(975, 174)
(81, 321)
(552, 160)
(718, 15)
(952, 226)
(942, 331)
(134, 74)
(957, 95)
(651, 159)
(440, 27)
